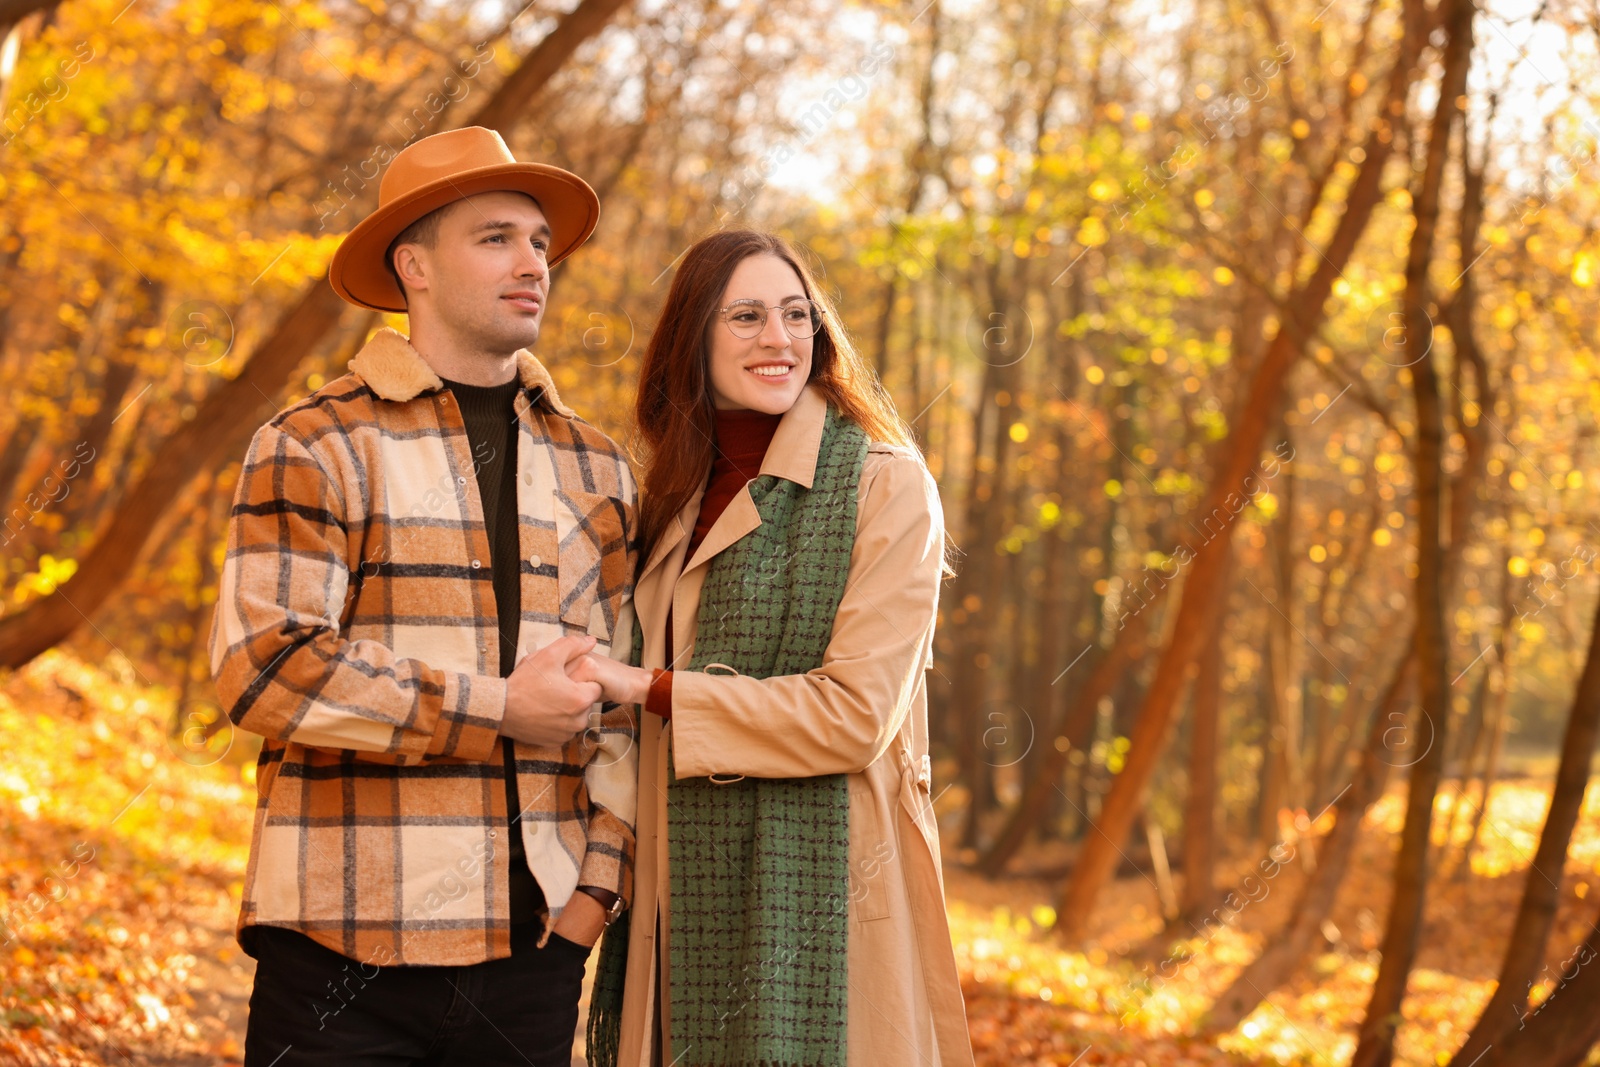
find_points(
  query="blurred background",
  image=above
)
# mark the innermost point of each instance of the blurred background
(1251, 344)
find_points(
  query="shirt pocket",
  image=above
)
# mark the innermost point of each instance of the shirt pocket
(593, 575)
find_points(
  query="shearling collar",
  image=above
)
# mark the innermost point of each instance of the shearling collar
(396, 371)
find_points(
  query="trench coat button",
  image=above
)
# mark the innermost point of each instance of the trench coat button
(461, 479)
(535, 561)
(476, 565)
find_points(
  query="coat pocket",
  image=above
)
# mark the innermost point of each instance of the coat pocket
(592, 561)
(872, 854)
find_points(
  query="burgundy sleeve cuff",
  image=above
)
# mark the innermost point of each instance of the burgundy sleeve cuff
(659, 700)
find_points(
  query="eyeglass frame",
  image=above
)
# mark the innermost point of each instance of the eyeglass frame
(766, 309)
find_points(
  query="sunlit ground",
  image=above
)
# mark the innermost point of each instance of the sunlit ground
(121, 868)
(1031, 1002)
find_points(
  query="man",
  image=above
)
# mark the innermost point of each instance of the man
(416, 553)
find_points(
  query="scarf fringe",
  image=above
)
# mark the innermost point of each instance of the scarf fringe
(604, 1031)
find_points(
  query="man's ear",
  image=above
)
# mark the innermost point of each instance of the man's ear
(411, 267)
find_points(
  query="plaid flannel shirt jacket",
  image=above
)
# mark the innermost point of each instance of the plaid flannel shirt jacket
(356, 631)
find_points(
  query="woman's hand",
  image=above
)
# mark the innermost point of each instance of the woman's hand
(619, 683)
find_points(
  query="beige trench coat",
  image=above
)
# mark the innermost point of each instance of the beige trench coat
(863, 712)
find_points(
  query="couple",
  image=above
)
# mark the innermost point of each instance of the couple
(510, 705)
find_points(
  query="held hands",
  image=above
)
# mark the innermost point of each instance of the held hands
(620, 683)
(547, 703)
(549, 696)
(551, 692)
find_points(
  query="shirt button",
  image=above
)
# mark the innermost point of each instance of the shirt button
(476, 565)
(534, 561)
(527, 479)
(461, 480)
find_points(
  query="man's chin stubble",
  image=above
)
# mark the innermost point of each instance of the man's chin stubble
(512, 336)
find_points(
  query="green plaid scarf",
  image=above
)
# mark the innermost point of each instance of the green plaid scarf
(760, 867)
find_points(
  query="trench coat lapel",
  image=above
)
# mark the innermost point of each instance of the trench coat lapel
(653, 591)
(736, 520)
(676, 531)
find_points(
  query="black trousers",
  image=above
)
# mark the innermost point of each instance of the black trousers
(311, 1005)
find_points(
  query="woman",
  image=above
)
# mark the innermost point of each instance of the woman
(788, 905)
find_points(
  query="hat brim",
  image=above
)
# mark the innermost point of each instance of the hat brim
(358, 274)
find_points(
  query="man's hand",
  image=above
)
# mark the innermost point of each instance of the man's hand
(582, 920)
(544, 706)
(620, 683)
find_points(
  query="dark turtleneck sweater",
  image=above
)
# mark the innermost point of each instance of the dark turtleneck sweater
(490, 414)
(741, 437)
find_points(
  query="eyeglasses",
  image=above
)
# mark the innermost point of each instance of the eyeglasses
(747, 318)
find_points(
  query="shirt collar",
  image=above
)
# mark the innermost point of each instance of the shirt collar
(394, 370)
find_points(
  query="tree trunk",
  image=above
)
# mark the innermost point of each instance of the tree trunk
(918, 165)
(1541, 894)
(1290, 692)
(976, 590)
(1491, 769)
(1200, 893)
(84, 506)
(1074, 727)
(229, 414)
(18, 460)
(210, 514)
(1162, 866)
(1338, 735)
(1375, 1045)
(1236, 458)
(1288, 947)
(509, 104)
(1477, 719)
(1276, 789)
(1270, 778)
(1565, 1027)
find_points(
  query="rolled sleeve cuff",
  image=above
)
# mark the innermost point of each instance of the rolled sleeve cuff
(469, 720)
(693, 738)
(608, 865)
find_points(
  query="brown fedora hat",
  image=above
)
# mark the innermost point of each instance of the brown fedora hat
(440, 170)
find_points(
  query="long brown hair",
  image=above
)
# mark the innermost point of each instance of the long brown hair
(675, 410)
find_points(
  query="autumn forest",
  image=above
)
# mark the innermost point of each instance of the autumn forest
(1250, 343)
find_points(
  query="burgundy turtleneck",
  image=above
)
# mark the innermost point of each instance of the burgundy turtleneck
(741, 437)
